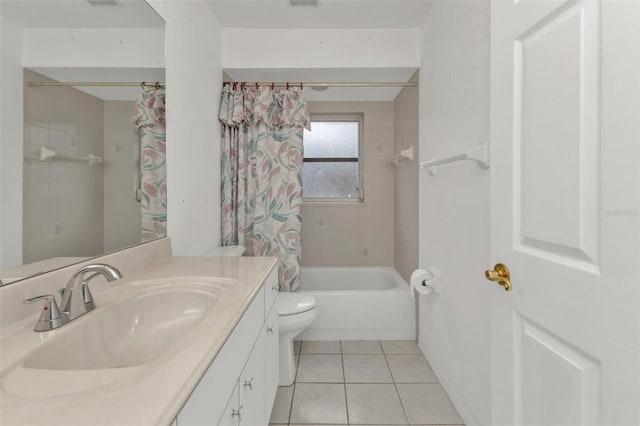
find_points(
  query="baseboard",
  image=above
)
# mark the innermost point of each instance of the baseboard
(357, 334)
(457, 401)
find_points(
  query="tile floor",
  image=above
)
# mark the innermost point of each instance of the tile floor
(363, 383)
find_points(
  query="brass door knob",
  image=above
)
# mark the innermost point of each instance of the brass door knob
(499, 274)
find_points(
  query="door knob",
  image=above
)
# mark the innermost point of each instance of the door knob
(499, 274)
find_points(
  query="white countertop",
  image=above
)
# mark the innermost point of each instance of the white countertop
(152, 394)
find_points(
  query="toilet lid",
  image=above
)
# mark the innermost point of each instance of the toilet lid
(294, 303)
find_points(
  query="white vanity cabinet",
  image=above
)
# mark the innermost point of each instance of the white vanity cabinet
(240, 385)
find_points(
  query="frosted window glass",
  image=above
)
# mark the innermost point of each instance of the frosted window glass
(330, 180)
(331, 139)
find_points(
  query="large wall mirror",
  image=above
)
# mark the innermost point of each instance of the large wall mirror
(83, 155)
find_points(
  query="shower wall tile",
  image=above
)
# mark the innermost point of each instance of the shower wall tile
(356, 235)
(68, 193)
(39, 135)
(405, 180)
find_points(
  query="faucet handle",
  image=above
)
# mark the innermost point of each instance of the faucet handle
(50, 317)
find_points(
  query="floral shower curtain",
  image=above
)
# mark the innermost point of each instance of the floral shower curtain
(262, 174)
(149, 119)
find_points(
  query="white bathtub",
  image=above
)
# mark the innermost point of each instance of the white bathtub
(360, 303)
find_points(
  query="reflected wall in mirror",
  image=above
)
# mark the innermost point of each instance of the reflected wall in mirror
(82, 162)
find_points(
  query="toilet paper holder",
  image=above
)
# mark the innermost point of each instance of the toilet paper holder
(426, 281)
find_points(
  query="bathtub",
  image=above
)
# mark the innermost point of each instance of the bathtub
(359, 303)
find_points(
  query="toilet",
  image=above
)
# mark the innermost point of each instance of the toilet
(296, 312)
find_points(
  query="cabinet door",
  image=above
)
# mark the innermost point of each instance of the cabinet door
(271, 360)
(232, 412)
(251, 386)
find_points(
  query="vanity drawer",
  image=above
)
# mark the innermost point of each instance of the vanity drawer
(270, 290)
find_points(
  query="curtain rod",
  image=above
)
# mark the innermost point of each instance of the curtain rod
(253, 83)
(325, 84)
(94, 83)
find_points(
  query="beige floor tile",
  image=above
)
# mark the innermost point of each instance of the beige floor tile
(411, 369)
(320, 347)
(374, 404)
(320, 368)
(319, 403)
(282, 405)
(361, 347)
(296, 346)
(428, 404)
(366, 369)
(397, 347)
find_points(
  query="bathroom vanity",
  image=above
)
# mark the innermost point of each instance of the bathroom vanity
(239, 387)
(182, 340)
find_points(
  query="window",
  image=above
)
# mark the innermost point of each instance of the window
(332, 169)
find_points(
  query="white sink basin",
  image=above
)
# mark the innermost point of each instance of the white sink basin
(149, 323)
(133, 332)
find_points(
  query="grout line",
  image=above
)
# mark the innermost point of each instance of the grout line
(293, 393)
(395, 386)
(344, 380)
(295, 382)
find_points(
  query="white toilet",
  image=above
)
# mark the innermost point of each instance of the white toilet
(297, 311)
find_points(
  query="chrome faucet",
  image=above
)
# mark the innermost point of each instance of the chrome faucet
(76, 297)
(78, 301)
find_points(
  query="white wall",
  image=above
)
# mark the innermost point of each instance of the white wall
(320, 48)
(94, 48)
(194, 79)
(10, 144)
(454, 208)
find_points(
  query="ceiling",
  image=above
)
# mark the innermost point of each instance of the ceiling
(79, 14)
(329, 14)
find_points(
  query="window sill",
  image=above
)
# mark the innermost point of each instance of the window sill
(333, 202)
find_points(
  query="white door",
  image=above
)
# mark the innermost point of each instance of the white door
(565, 189)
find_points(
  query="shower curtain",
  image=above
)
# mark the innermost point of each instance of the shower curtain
(262, 174)
(149, 119)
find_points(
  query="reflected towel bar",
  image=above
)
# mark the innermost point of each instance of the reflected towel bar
(48, 154)
(479, 154)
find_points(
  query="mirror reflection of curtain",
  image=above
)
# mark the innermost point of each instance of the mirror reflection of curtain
(262, 174)
(149, 119)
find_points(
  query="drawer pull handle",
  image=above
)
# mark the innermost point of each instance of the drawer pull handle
(270, 329)
(275, 287)
(249, 383)
(237, 412)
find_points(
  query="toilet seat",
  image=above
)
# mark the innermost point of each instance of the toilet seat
(294, 303)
